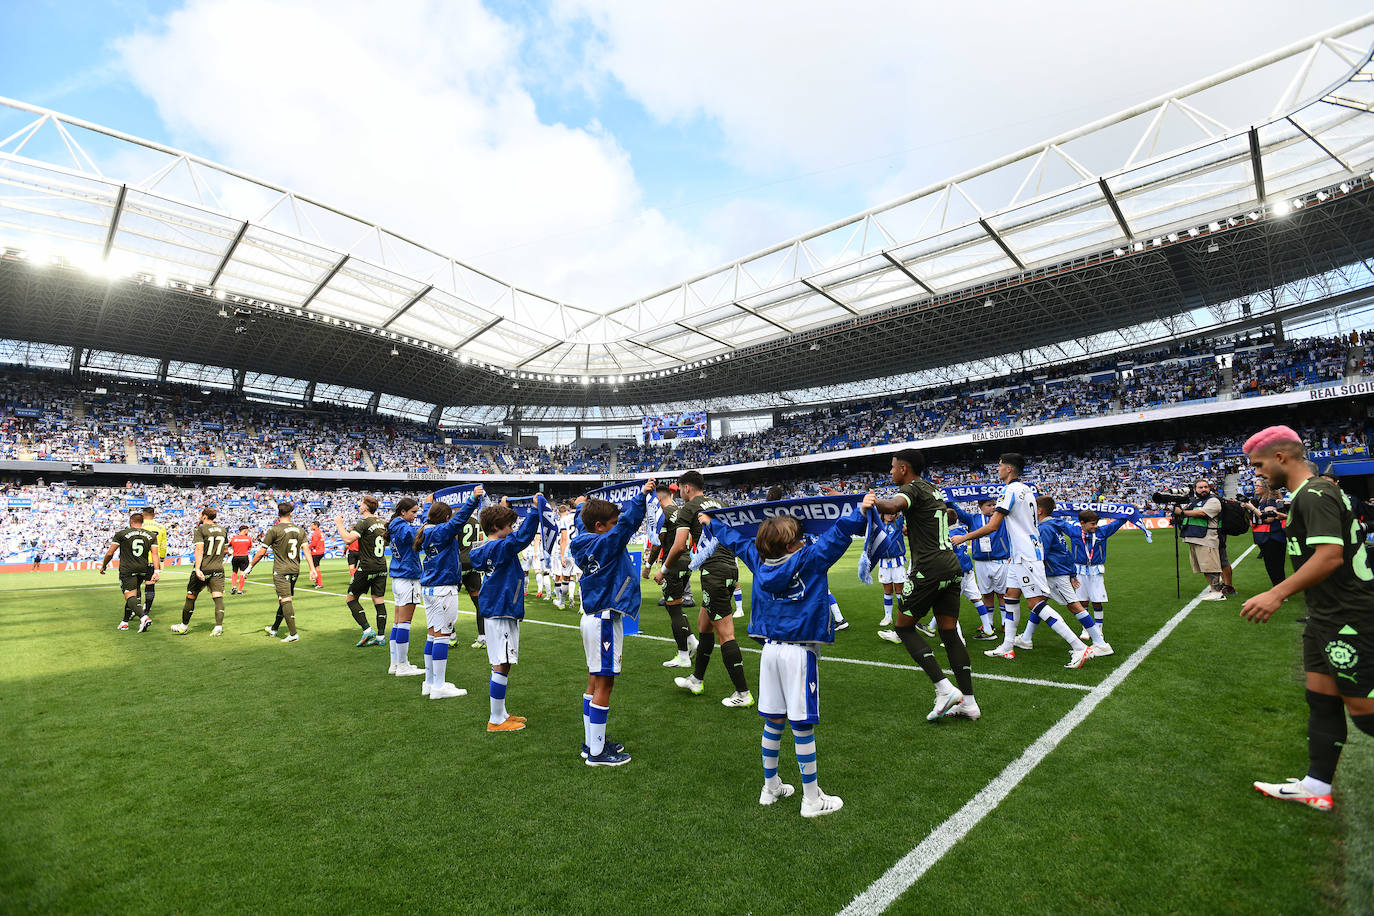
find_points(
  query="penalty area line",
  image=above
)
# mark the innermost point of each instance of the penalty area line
(883, 892)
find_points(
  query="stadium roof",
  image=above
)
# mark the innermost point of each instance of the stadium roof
(142, 248)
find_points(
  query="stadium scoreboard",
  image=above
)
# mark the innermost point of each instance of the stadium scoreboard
(665, 427)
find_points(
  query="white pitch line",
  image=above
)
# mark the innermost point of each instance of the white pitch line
(883, 892)
(1034, 681)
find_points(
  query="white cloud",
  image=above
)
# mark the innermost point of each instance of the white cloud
(416, 118)
(886, 97)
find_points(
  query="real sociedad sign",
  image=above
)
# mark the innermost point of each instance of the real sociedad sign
(618, 493)
(816, 513)
(1341, 391)
(428, 475)
(1001, 432)
(176, 469)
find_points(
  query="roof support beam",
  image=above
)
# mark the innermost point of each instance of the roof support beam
(777, 324)
(405, 308)
(1320, 145)
(993, 234)
(687, 327)
(538, 353)
(1116, 209)
(909, 274)
(478, 333)
(1256, 165)
(233, 246)
(114, 220)
(324, 281)
(435, 414)
(820, 292)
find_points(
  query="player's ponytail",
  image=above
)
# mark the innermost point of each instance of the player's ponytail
(403, 505)
(439, 513)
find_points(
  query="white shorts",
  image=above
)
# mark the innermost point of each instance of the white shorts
(1092, 588)
(991, 575)
(405, 591)
(603, 641)
(1060, 591)
(441, 608)
(892, 570)
(1029, 577)
(503, 640)
(789, 684)
(562, 566)
(969, 586)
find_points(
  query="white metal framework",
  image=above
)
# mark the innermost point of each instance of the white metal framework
(116, 203)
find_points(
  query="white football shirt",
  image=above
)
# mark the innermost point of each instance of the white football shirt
(1018, 505)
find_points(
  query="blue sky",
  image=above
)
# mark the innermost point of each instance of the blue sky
(597, 150)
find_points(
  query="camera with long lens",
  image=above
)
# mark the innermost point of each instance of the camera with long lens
(1175, 499)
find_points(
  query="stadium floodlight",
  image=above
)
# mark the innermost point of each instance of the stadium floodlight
(1172, 236)
(586, 380)
(814, 346)
(1138, 246)
(1214, 227)
(1119, 252)
(394, 351)
(1192, 233)
(1213, 248)
(1253, 215)
(1322, 196)
(1345, 187)
(1282, 208)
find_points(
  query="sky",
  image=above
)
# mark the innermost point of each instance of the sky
(597, 151)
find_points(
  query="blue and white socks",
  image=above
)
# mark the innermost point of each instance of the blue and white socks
(498, 698)
(985, 616)
(439, 663)
(596, 728)
(805, 738)
(739, 601)
(400, 643)
(1092, 627)
(429, 659)
(1011, 621)
(835, 609)
(887, 609)
(772, 741)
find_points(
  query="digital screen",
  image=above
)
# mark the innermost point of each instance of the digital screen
(690, 424)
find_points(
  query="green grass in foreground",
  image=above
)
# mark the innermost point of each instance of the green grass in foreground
(165, 773)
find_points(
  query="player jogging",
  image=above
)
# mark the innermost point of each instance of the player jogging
(209, 542)
(287, 541)
(160, 530)
(932, 586)
(1061, 586)
(368, 537)
(1331, 567)
(720, 572)
(139, 562)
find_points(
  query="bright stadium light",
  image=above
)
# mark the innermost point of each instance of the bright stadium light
(1282, 208)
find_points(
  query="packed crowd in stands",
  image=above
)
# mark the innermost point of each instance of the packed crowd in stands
(45, 416)
(65, 522)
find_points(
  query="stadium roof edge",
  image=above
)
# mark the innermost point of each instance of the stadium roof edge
(678, 336)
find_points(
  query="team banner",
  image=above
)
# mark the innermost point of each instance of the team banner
(971, 492)
(456, 495)
(31, 412)
(1106, 510)
(817, 515)
(653, 520)
(17, 502)
(548, 517)
(618, 493)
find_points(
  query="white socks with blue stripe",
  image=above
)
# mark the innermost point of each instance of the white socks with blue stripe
(498, 698)
(805, 738)
(772, 741)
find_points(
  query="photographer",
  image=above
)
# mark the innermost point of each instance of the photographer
(1198, 527)
(1269, 512)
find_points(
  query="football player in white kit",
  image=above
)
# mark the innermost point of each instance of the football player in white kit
(1015, 509)
(562, 563)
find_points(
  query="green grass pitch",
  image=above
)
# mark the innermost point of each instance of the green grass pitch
(158, 773)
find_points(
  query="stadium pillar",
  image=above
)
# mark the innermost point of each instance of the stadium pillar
(162, 370)
(77, 354)
(310, 394)
(240, 375)
(374, 401)
(435, 414)
(1278, 331)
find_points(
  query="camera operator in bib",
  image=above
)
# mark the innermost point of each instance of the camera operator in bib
(1198, 524)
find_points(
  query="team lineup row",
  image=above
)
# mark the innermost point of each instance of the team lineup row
(790, 612)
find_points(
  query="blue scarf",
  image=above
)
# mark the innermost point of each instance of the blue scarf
(1105, 510)
(817, 514)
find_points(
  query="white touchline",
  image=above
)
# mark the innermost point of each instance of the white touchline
(1034, 681)
(908, 870)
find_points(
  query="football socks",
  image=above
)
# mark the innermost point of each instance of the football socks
(805, 739)
(772, 741)
(706, 644)
(920, 652)
(733, 658)
(356, 609)
(596, 729)
(498, 698)
(959, 660)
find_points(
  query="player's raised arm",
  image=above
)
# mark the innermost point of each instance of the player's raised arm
(349, 536)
